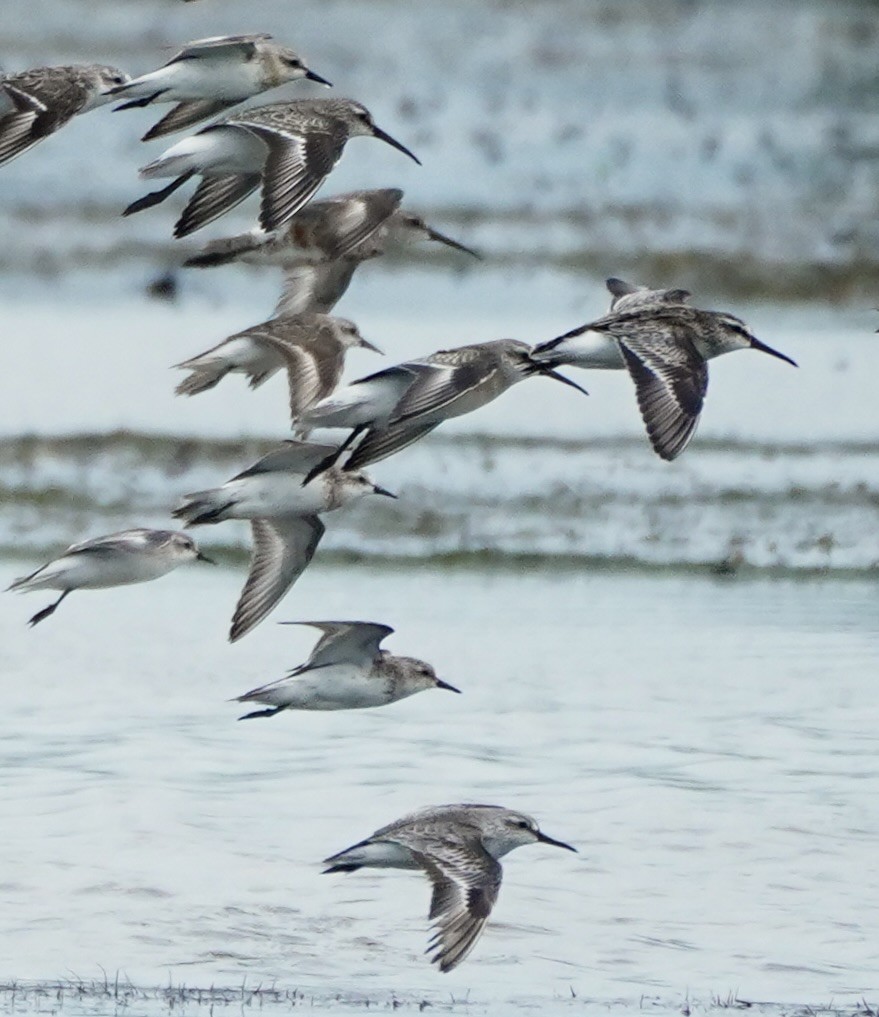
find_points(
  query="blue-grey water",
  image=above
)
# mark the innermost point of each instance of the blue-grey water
(709, 745)
(673, 666)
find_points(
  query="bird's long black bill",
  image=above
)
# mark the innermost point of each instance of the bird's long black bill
(763, 348)
(441, 238)
(367, 345)
(384, 136)
(205, 559)
(542, 837)
(316, 77)
(383, 490)
(440, 684)
(550, 372)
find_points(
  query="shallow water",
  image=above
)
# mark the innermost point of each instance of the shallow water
(710, 746)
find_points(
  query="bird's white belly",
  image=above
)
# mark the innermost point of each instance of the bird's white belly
(381, 854)
(330, 688)
(94, 572)
(275, 495)
(359, 404)
(217, 151)
(245, 356)
(203, 79)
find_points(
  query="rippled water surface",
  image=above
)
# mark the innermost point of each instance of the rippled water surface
(709, 745)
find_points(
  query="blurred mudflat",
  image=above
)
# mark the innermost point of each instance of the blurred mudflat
(720, 146)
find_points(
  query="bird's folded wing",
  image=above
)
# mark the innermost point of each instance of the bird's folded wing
(671, 379)
(437, 386)
(282, 549)
(115, 542)
(466, 880)
(219, 47)
(292, 456)
(17, 133)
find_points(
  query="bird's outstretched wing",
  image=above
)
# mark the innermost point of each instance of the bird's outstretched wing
(344, 642)
(212, 198)
(295, 167)
(671, 379)
(466, 880)
(282, 549)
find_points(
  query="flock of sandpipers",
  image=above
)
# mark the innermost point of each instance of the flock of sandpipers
(286, 150)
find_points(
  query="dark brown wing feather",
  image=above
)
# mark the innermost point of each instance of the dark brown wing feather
(466, 881)
(295, 168)
(213, 197)
(383, 442)
(671, 380)
(185, 114)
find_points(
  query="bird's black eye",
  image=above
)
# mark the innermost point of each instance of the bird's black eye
(523, 825)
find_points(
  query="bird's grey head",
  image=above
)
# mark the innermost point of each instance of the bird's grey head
(416, 675)
(735, 334)
(407, 227)
(515, 354)
(347, 335)
(506, 830)
(103, 80)
(285, 65)
(356, 484)
(187, 549)
(518, 361)
(359, 121)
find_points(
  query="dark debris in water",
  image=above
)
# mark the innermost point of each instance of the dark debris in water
(78, 997)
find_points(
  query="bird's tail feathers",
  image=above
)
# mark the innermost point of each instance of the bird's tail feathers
(202, 507)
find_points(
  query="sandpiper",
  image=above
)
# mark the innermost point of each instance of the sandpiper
(327, 230)
(208, 76)
(445, 384)
(665, 348)
(347, 670)
(289, 147)
(36, 103)
(284, 515)
(458, 847)
(118, 559)
(311, 347)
